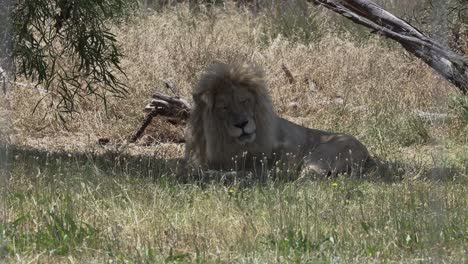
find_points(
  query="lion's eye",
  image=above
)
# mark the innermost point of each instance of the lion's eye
(222, 107)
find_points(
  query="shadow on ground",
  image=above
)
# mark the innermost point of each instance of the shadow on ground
(30, 161)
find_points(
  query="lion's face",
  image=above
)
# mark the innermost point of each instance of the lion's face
(234, 108)
(232, 115)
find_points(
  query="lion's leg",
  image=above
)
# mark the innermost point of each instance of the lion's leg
(321, 168)
(226, 177)
(317, 169)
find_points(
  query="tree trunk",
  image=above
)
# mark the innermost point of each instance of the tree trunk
(447, 63)
(6, 42)
(6, 70)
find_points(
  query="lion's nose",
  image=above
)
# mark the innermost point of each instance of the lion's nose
(241, 125)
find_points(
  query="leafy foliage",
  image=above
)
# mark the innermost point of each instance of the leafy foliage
(67, 47)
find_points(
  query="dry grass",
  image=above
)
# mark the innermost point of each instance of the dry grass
(342, 84)
(75, 209)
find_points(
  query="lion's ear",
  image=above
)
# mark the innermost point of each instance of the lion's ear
(203, 99)
(197, 99)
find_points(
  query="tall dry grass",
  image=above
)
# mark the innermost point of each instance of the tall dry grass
(369, 88)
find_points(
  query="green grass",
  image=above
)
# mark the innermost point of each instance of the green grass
(64, 208)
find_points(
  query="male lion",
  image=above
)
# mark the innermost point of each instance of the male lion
(233, 125)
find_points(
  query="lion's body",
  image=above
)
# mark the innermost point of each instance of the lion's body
(233, 126)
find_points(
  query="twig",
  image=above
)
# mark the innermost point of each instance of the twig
(288, 74)
(148, 118)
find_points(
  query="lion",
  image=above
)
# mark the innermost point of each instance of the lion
(233, 125)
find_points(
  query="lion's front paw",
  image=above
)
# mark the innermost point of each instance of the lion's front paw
(313, 172)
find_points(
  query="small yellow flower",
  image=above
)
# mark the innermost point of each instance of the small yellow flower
(232, 190)
(334, 184)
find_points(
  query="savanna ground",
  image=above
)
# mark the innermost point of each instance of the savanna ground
(69, 199)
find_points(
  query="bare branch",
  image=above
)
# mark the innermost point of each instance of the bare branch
(288, 74)
(139, 132)
(164, 105)
(447, 63)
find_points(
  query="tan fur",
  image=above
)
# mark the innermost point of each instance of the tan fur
(233, 126)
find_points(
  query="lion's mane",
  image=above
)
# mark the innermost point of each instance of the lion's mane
(206, 140)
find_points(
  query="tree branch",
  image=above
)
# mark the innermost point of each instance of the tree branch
(447, 63)
(164, 105)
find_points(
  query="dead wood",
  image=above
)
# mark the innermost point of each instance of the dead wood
(447, 63)
(172, 107)
(172, 87)
(146, 121)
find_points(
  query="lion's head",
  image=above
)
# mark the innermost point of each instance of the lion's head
(232, 114)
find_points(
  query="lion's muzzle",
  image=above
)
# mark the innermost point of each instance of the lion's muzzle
(243, 130)
(245, 138)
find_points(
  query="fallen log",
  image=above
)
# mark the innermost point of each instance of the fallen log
(173, 107)
(447, 63)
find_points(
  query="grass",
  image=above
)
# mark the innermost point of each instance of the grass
(72, 200)
(63, 209)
